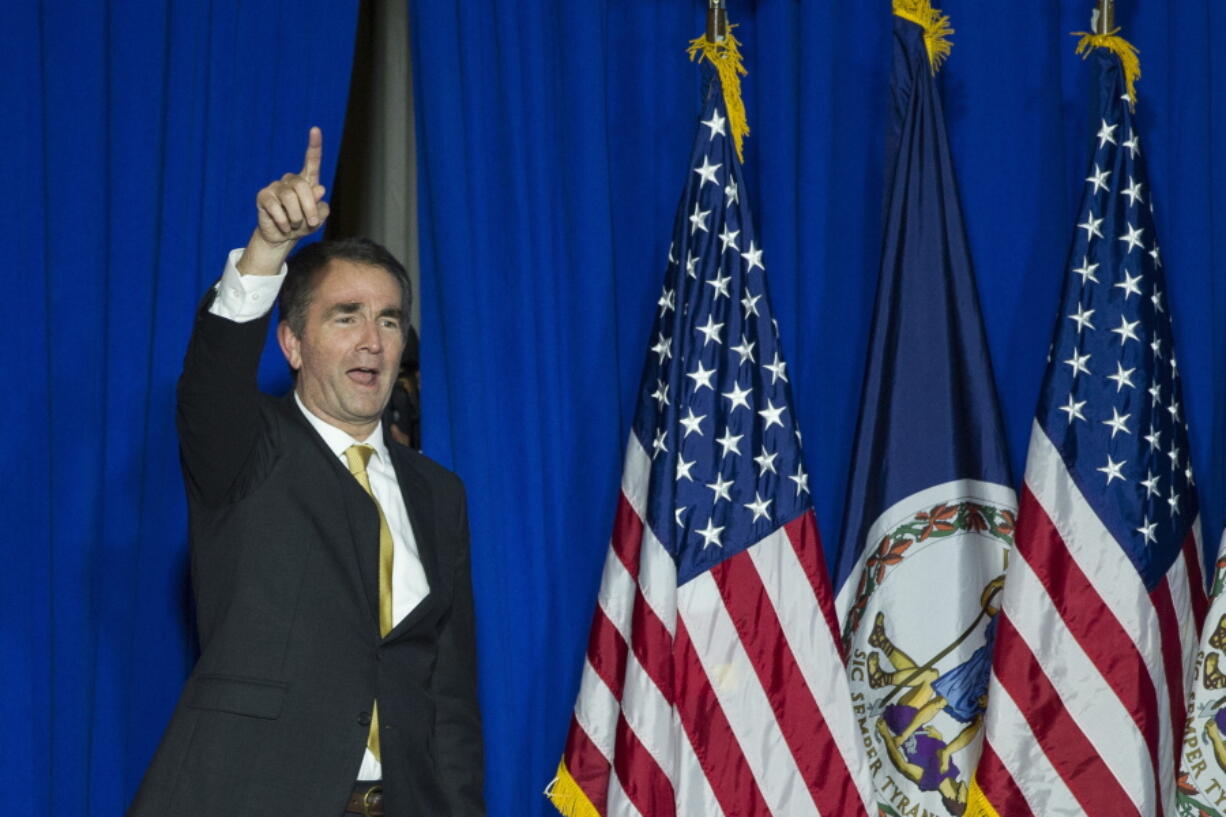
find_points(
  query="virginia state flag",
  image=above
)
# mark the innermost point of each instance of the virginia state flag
(1202, 773)
(930, 511)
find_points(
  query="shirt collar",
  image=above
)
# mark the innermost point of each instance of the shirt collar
(337, 440)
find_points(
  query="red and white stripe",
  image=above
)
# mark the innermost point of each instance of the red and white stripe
(1086, 701)
(726, 696)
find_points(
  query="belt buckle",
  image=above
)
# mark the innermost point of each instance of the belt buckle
(368, 798)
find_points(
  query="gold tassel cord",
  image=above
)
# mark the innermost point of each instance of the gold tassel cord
(567, 797)
(1126, 51)
(936, 28)
(725, 55)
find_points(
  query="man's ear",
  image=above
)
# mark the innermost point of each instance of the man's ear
(290, 345)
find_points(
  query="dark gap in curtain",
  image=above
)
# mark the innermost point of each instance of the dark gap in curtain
(375, 194)
(353, 166)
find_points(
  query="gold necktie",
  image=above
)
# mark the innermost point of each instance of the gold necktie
(357, 457)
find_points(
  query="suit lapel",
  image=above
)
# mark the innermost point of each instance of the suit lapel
(360, 515)
(363, 524)
(420, 506)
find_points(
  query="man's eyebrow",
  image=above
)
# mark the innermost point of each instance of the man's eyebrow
(343, 308)
(352, 307)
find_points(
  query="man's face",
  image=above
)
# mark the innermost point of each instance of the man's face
(349, 354)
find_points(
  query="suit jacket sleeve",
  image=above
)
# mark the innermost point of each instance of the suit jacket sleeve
(457, 732)
(219, 416)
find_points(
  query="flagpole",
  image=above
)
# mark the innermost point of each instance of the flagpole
(1102, 21)
(717, 21)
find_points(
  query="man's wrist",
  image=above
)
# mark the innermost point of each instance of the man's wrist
(262, 258)
(241, 298)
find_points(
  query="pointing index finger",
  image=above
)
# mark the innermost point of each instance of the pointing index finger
(314, 152)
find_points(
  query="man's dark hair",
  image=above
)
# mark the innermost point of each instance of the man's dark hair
(306, 264)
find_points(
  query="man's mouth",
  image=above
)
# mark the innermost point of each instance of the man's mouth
(363, 376)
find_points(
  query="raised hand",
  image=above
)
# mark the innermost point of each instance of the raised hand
(288, 209)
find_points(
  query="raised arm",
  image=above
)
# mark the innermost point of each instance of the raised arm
(219, 400)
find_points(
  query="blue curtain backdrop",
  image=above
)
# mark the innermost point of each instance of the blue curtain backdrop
(553, 141)
(134, 138)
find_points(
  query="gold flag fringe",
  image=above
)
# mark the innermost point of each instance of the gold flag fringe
(1126, 51)
(977, 803)
(725, 55)
(936, 28)
(567, 797)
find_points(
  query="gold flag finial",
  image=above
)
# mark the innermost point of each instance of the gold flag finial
(936, 28)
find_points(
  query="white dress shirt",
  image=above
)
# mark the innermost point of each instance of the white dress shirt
(243, 298)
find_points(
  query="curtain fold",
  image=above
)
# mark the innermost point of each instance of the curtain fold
(552, 146)
(136, 137)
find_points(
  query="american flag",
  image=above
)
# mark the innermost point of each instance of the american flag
(713, 683)
(1104, 593)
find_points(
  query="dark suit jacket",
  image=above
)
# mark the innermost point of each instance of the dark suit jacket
(284, 563)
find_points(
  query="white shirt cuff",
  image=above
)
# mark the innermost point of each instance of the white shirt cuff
(242, 298)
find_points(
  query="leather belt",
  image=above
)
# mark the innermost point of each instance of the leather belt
(367, 800)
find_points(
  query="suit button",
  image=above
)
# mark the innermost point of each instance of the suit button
(364, 718)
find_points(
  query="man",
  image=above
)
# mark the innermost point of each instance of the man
(330, 563)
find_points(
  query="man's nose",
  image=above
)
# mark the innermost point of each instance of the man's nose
(370, 339)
